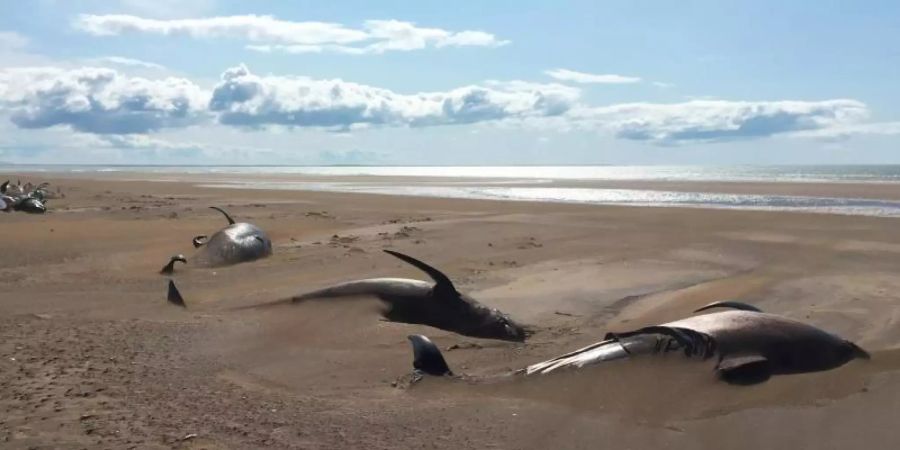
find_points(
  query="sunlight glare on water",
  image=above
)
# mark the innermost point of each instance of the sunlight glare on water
(624, 197)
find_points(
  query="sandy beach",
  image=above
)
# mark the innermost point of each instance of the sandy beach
(92, 356)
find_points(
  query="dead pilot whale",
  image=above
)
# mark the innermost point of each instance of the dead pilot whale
(751, 346)
(438, 305)
(237, 243)
(31, 199)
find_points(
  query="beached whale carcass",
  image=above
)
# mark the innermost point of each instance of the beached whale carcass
(30, 199)
(437, 304)
(238, 242)
(750, 346)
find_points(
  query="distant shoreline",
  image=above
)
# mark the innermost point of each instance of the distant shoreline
(858, 174)
(876, 198)
(6, 163)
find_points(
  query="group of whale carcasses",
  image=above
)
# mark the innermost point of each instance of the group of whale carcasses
(26, 197)
(749, 345)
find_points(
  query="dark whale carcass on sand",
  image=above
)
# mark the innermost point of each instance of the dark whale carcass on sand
(237, 243)
(30, 205)
(438, 305)
(750, 346)
(30, 201)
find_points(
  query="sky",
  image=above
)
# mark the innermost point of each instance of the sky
(468, 82)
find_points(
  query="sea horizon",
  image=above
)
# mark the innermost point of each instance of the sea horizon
(555, 184)
(793, 173)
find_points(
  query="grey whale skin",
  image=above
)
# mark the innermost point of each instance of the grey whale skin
(751, 346)
(238, 242)
(439, 305)
(31, 200)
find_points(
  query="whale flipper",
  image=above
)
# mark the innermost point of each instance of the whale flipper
(174, 296)
(427, 358)
(606, 350)
(744, 370)
(230, 220)
(169, 268)
(443, 286)
(198, 241)
(729, 304)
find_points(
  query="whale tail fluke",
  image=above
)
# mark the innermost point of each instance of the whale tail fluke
(427, 357)
(174, 296)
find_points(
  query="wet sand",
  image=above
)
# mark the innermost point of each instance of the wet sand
(91, 355)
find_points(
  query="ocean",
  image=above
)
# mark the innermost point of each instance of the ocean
(539, 183)
(783, 173)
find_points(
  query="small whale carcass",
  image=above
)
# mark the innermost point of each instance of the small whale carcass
(750, 346)
(30, 201)
(439, 305)
(239, 242)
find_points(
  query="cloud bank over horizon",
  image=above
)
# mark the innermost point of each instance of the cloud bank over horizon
(441, 84)
(98, 100)
(104, 101)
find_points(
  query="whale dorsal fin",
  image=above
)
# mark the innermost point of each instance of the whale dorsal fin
(230, 220)
(729, 304)
(443, 286)
(174, 296)
(744, 370)
(427, 357)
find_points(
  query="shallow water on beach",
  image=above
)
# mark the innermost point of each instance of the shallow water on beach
(536, 183)
(599, 196)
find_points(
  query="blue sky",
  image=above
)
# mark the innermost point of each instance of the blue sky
(390, 82)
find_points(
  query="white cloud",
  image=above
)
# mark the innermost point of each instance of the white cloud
(246, 99)
(142, 141)
(273, 35)
(719, 120)
(122, 109)
(98, 100)
(128, 62)
(582, 77)
(846, 131)
(662, 84)
(405, 36)
(304, 48)
(561, 90)
(250, 27)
